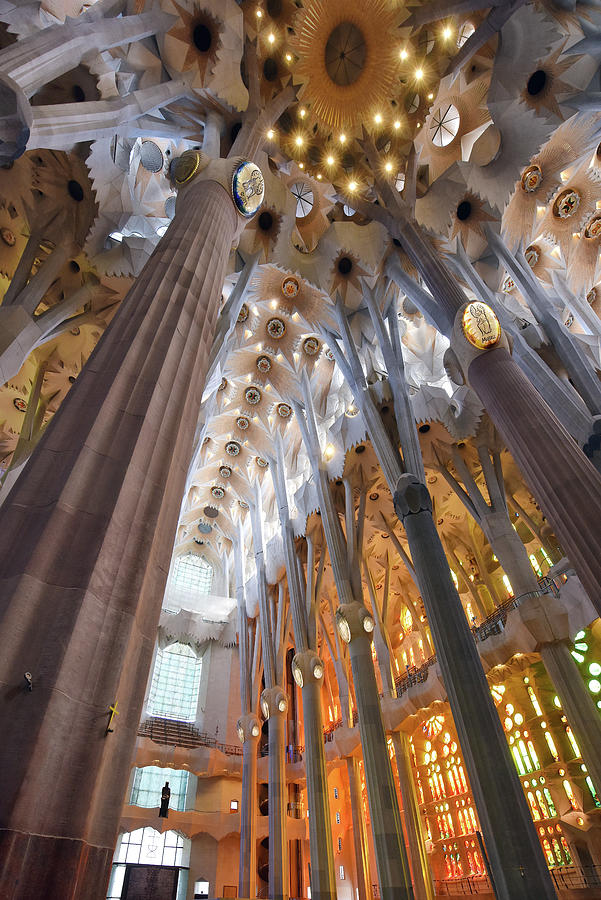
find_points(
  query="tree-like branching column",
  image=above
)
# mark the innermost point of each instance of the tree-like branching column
(517, 863)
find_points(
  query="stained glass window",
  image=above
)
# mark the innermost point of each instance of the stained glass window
(175, 683)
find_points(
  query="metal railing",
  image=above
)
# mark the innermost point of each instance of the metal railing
(462, 887)
(174, 733)
(564, 878)
(574, 877)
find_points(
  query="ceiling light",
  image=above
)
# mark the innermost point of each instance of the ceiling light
(397, 125)
(404, 54)
(446, 33)
(388, 167)
(419, 73)
(259, 14)
(330, 160)
(430, 96)
(271, 38)
(303, 113)
(329, 451)
(352, 186)
(301, 165)
(298, 141)
(288, 58)
(270, 134)
(319, 176)
(377, 118)
(342, 138)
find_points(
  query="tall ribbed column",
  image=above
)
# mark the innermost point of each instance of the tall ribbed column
(359, 830)
(279, 879)
(564, 481)
(518, 866)
(247, 874)
(85, 543)
(557, 471)
(578, 705)
(423, 886)
(323, 883)
(354, 622)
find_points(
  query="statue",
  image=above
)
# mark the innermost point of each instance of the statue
(165, 795)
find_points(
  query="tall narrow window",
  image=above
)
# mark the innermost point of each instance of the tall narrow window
(175, 683)
(192, 573)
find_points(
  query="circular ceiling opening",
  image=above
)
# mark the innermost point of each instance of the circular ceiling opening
(210, 512)
(345, 54)
(304, 198)
(265, 221)
(444, 125)
(463, 210)
(345, 265)
(75, 190)
(536, 82)
(202, 38)
(270, 69)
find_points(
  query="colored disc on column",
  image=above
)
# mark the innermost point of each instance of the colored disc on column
(480, 325)
(248, 188)
(185, 167)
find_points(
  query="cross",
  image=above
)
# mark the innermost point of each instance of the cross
(113, 711)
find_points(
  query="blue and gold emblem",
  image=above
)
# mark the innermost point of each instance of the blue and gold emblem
(248, 188)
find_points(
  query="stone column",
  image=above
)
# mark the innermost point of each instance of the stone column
(423, 886)
(307, 669)
(557, 471)
(359, 830)
(85, 543)
(580, 708)
(499, 797)
(518, 866)
(564, 481)
(274, 704)
(249, 730)
(355, 626)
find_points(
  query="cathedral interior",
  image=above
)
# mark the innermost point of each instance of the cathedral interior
(300, 449)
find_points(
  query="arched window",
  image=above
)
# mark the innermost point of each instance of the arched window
(148, 783)
(175, 683)
(192, 573)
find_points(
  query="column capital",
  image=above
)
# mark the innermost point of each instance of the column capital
(411, 496)
(354, 620)
(476, 330)
(274, 702)
(241, 178)
(307, 667)
(248, 728)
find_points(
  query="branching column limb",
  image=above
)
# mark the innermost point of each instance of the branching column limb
(308, 673)
(247, 725)
(274, 705)
(391, 858)
(519, 867)
(551, 462)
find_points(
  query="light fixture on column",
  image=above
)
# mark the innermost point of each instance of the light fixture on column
(297, 673)
(344, 629)
(367, 621)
